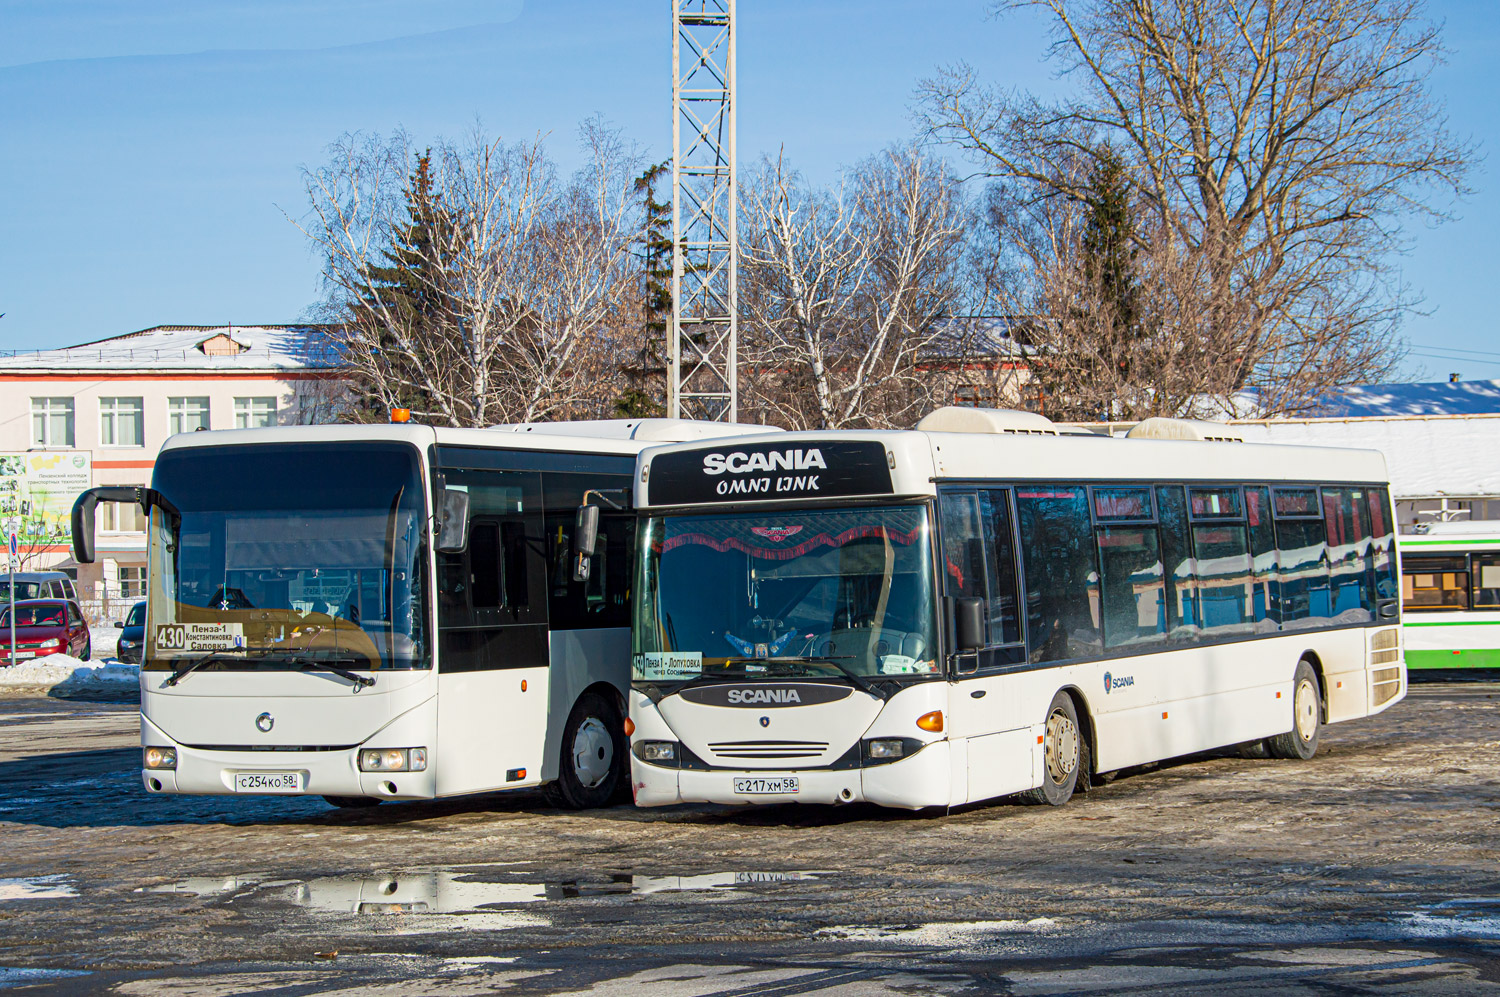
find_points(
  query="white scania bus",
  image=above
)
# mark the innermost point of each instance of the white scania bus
(990, 605)
(387, 612)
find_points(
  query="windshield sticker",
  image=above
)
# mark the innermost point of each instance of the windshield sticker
(199, 636)
(776, 534)
(668, 666)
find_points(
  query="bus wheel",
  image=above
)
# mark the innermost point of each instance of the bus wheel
(353, 802)
(1062, 750)
(592, 756)
(1307, 715)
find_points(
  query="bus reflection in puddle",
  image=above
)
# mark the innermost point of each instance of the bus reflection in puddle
(459, 891)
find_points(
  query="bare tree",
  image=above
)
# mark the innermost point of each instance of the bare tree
(1274, 148)
(843, 292)
(472, 284)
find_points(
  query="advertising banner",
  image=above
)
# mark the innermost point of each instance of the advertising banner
(37, 489)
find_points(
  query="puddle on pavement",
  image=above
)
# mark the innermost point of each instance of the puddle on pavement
(38, 888)
(17, 975)
(463, 890)
(1467, 917)
(940, 934)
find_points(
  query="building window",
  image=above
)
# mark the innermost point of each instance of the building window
(254, 413)
(52, 422)
(187, 415)
(121, 517)
(121, 422)
(132, 581)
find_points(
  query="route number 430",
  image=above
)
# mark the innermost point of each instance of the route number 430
(171, 637)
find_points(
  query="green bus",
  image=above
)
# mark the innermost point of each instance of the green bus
(1450, 595)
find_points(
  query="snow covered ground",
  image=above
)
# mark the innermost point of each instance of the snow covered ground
(61, 675)
(103, 639)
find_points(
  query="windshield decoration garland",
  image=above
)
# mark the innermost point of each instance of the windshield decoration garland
(874, 531)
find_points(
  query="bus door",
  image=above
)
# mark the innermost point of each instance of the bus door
(979, 561)
(492, 637)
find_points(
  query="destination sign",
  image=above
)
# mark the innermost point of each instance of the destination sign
(765, 472)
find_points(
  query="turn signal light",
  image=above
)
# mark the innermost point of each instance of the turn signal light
(931, 722)
(629, 726)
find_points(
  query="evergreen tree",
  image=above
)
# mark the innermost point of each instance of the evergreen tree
(406, 291)
(639, 400)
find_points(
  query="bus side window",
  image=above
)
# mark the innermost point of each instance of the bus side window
(1263, 556)
(1387, 587)
(1486, 585)
(1062, 580)
(979, 558)
(1177, 561)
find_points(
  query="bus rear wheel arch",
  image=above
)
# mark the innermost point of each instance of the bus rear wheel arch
(1301, 742)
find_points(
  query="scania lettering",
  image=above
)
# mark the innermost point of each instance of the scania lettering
(992, 605)
(388, 612)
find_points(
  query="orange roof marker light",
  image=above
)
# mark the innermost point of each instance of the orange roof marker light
(401, 415)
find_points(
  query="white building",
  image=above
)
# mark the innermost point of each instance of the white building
(98, 413)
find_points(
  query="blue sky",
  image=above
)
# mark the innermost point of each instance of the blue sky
(149, 153)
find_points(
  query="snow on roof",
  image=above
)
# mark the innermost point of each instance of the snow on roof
(1428, 456)
(188, 347)
(1428, 398)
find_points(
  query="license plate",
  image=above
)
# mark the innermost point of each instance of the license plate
(757, 787)
(268, 782)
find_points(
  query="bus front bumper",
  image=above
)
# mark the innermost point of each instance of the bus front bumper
(312, 773)
(921, 780)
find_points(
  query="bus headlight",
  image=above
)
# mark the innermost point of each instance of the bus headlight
(393, 760)
(880, 750)
(160, 758)
(657, 752)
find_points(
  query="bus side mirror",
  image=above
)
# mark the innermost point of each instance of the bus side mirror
(453, 529)
(585, 539)
(968, 623)
(83, 513)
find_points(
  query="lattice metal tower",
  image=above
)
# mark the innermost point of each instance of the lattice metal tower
(703, 351)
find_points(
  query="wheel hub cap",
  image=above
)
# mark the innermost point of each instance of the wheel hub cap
(1061, 746)
(593, 753)
(1306, 705)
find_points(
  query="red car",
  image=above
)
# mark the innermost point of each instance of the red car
(44, 626)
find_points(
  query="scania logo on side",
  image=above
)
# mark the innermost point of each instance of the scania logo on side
(1117, 681)
(766, 694)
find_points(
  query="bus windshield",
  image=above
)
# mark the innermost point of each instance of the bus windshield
(777, 593)
(288, 554)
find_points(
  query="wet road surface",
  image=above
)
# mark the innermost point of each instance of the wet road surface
(1373, 869)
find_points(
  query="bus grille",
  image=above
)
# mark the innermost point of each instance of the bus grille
(769, 749)
(1385, 646)
(1385, 685)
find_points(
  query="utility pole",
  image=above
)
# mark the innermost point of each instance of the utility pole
(703, 352)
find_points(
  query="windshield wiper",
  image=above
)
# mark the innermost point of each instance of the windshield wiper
(860, 681)
(198, 663)
(327, 665)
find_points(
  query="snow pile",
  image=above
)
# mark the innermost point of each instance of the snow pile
(61, 675)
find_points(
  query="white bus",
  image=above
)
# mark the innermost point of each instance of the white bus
(990, 605)
(1450, 595)
(388, 612)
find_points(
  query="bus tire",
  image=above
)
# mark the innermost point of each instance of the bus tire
(353, 802)
(1252, 749)
(593, 755)
(1301, 742)
(1062, 754)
